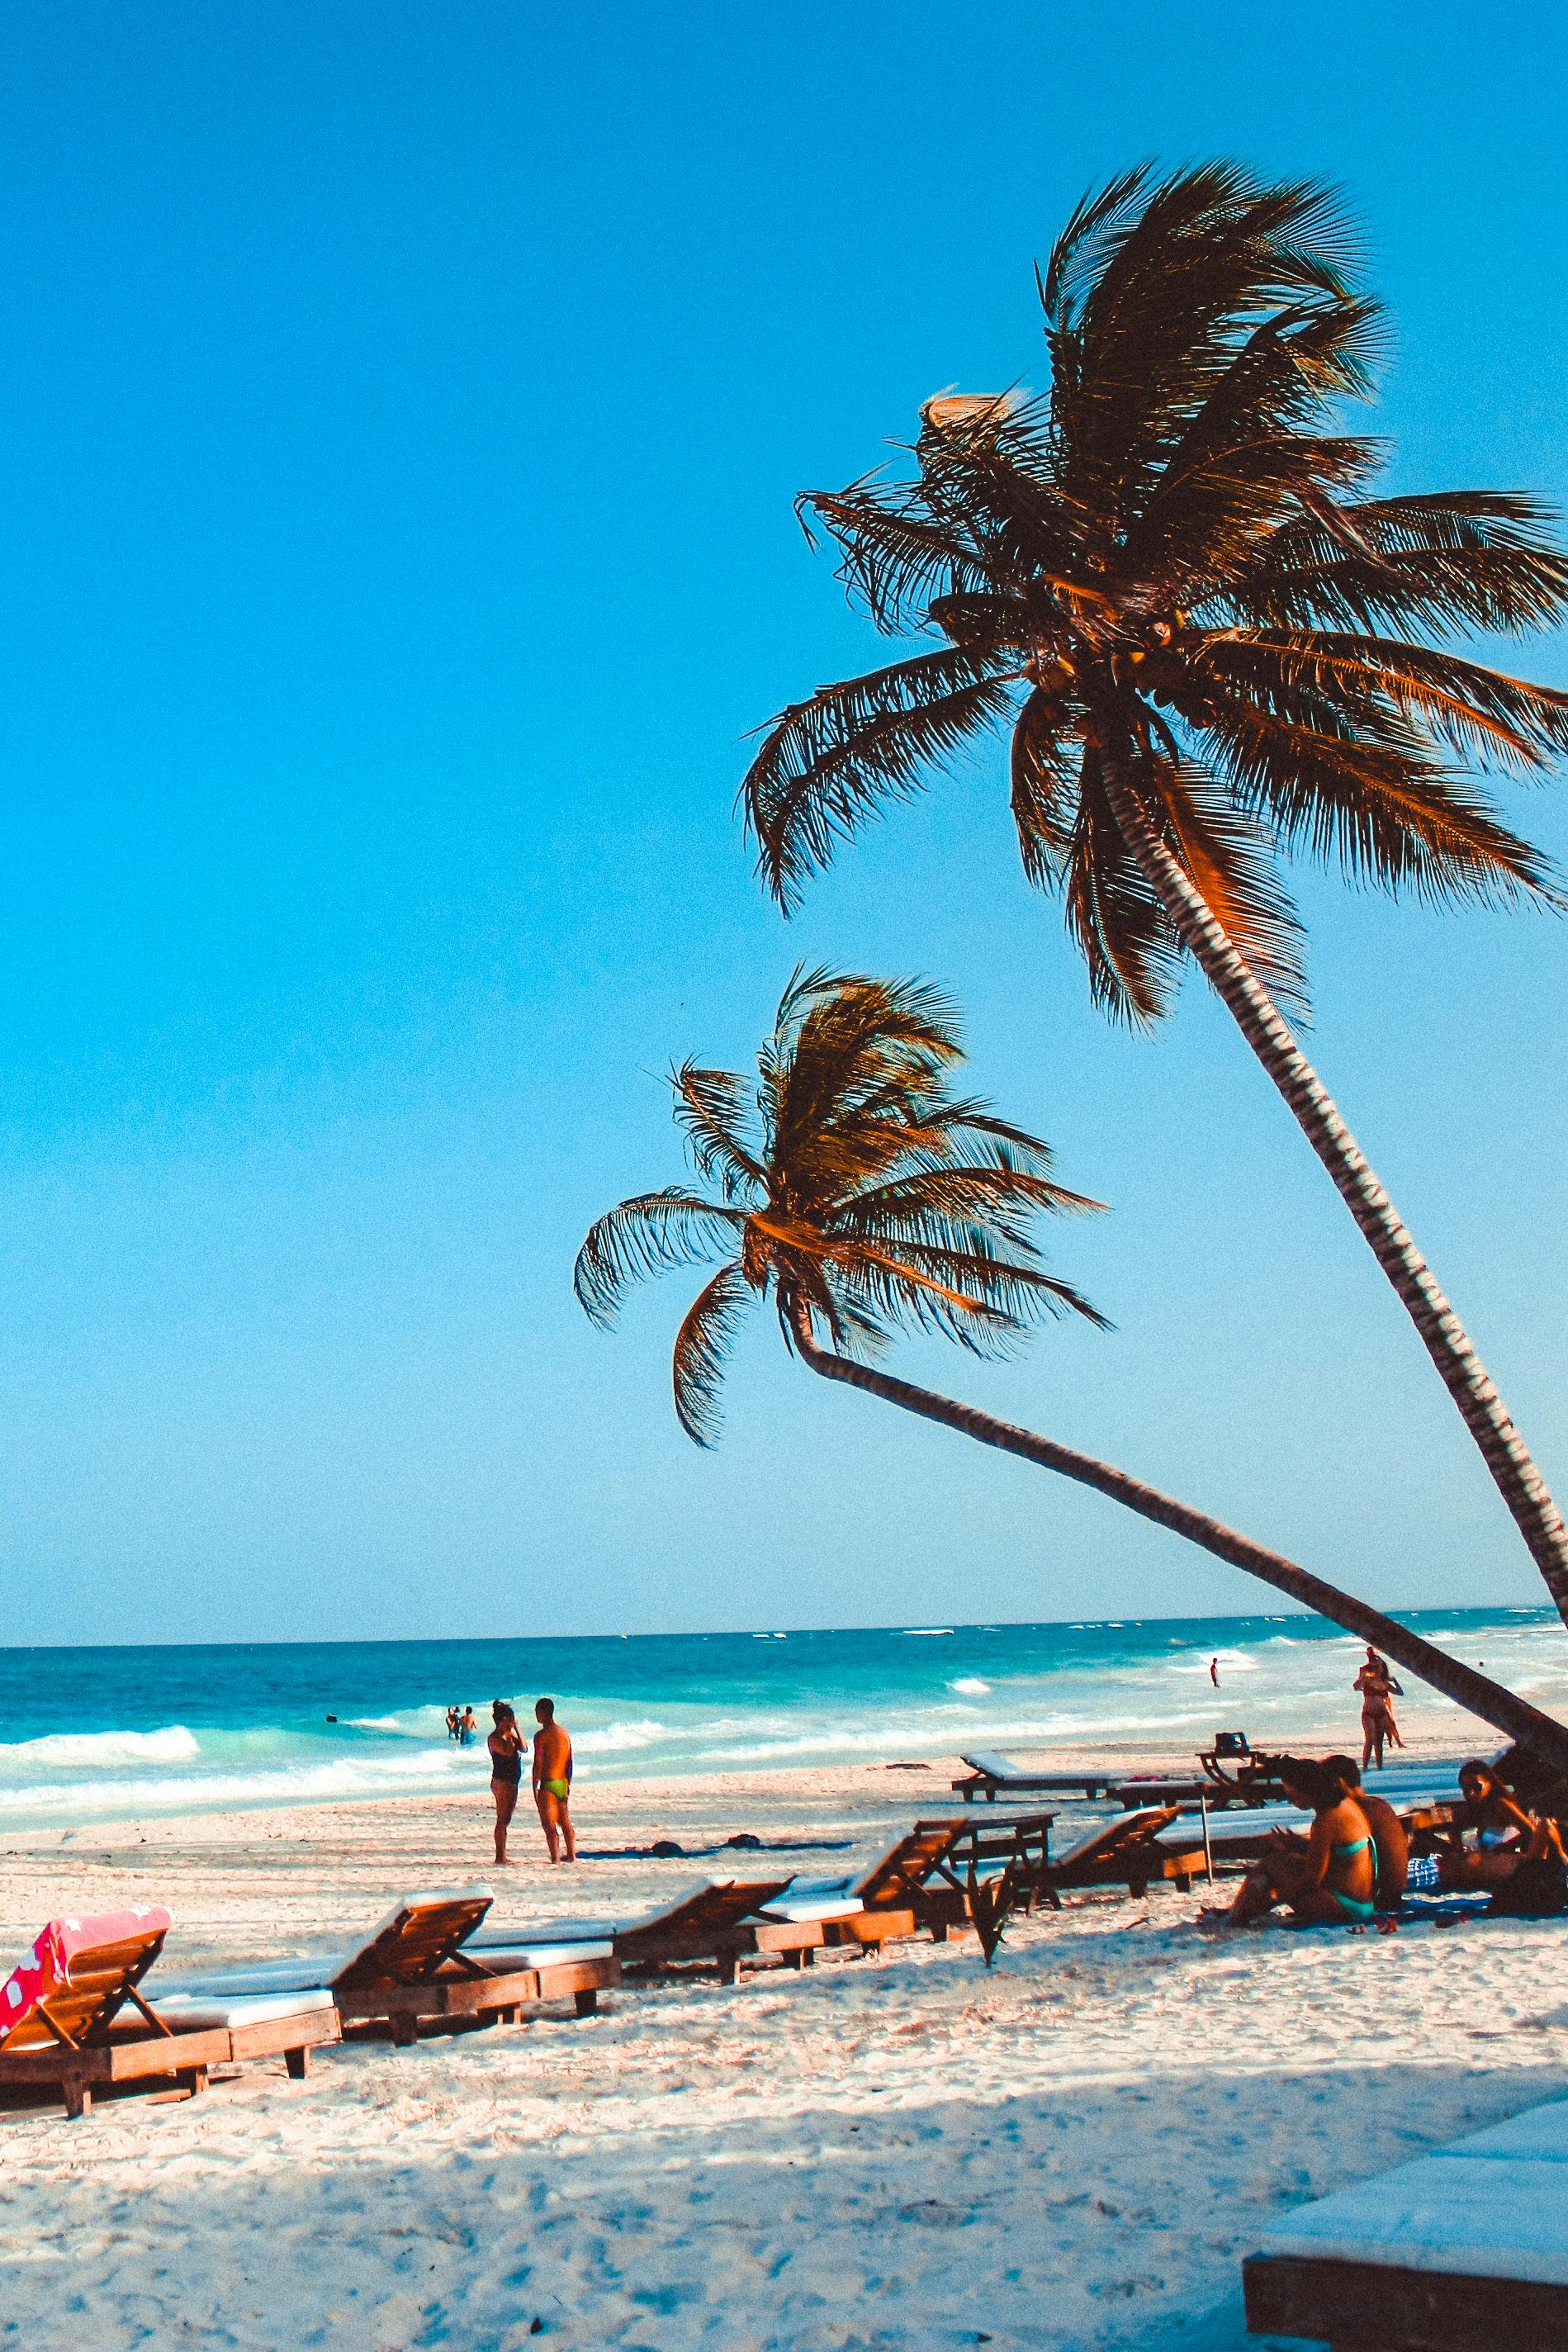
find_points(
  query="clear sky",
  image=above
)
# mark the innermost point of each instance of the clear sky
(399, 420)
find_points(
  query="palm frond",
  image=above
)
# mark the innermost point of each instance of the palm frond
(710, 1111)
(1114, 913)
(829, 763)
(1177, 275)
(896, 557)
(702, 1345)
(1480, 713)
(1229, 860)
(650, 1234)
(1388, 813)
(1449, 561)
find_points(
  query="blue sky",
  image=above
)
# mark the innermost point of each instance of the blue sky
(398, 429)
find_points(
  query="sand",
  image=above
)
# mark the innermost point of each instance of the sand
(1074, 2150)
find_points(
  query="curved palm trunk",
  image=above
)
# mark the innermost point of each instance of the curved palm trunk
(1258, 1018)
(1483, 1697)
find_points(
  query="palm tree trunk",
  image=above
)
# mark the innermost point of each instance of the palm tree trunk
(1519, 1721)
(1461, 1370)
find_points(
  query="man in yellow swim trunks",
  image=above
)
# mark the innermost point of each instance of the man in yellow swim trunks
(552, 1781)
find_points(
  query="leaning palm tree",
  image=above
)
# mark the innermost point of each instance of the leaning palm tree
(1170, 580)
(865, 1197)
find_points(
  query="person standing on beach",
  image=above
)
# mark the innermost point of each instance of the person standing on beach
(552, 1781)
(1214, 1672)
(1378, 1689)
(506, 1746)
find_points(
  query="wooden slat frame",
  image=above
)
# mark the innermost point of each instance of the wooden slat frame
(471, 1993)
(1373, 2307)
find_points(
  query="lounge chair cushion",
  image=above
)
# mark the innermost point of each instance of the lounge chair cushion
(190, 2013)
(539, 1932)
(505, 1957)
(992, 1767)
(490, 1938)
(310, 1970)
(1482, 2217)
(802, 1907)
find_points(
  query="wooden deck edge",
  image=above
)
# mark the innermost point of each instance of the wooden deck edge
(886, 1926)
(1373, 2307)
(274, 2037)
(455, 1996)
(118, 2061)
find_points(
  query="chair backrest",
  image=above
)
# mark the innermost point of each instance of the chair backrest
(1113, 1839)
(904, 1868)
(416, 1939)
(992, 1767)
(715, 1909)
(78, 1973)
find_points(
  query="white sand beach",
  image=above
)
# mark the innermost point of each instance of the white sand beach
(1074, 2150)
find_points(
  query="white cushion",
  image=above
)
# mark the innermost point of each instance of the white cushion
(536, 1933)
(505, 1957)
(488, 1937)
(992, 1767)
(1485, 2217)
(310, 1970)
(807, 1907)
(190, 2013)
(1539, 2132)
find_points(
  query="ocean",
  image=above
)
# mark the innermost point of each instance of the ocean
(115, 1733)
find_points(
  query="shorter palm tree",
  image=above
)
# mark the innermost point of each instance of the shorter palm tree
(864, 1197)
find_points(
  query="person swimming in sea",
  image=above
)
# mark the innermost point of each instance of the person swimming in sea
(552, 1781)
(451, 1723)
(467, 1729)
(506, 1746)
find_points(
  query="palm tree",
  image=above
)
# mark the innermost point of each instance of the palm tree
(1170, 580)
(865, 1197)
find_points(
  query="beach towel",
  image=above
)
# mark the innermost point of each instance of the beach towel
(47, 1967)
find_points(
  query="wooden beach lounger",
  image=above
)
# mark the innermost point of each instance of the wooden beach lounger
(73, 2016)
(921, 1881)
(412, 1969)
(1122, 1852)
(715, 1925)
(1466, 2251)
(989, 1772)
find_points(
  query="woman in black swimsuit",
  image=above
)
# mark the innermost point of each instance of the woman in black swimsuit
(506, 1746)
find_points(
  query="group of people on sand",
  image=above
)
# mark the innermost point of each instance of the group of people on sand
(552, 1777)
(1351, 1867)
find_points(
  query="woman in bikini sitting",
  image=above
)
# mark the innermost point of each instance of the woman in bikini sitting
(1390, 1840)
(506, 1746)
(1327, 1878)
(1505, 1832)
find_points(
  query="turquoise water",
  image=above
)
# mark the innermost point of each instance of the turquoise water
(108, 1734)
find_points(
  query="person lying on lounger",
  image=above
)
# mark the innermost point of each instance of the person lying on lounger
(1508, 1838)
(1326, 1878)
